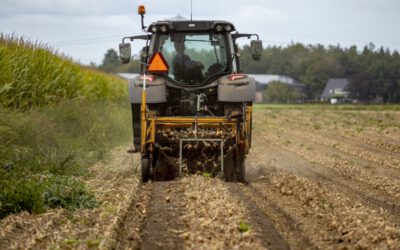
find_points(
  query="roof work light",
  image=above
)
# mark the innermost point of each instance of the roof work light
(141, 10)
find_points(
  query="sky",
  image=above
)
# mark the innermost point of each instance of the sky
(85, 29)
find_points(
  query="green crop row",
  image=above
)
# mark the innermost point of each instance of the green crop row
(34, 75)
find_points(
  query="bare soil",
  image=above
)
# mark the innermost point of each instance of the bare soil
(163, 225)
(317, 179)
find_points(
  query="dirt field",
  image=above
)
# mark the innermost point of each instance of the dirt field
(318, 179)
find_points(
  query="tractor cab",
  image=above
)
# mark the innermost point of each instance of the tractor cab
(196, 53)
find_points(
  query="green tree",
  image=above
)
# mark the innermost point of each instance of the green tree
(110, 62)
(318, 73)
(132, 67)
(280, 92)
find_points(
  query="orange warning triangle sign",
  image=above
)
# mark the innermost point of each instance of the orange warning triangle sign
(158, 64)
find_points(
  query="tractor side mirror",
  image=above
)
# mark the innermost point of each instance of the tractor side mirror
(256, 49)
(125, 52)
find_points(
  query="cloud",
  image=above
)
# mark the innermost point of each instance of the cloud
(107, 7)
(63, 7)
(85, 29)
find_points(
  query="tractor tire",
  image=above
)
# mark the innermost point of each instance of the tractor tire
(145, 167)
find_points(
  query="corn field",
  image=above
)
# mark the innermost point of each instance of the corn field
(33, 75)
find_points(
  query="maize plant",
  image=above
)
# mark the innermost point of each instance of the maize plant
(34, 75)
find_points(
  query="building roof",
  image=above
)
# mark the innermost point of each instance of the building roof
(265, 79)
(332, 84)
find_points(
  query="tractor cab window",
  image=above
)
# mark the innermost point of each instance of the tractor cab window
(193, 57)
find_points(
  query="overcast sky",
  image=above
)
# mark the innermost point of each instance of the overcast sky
(85, 29)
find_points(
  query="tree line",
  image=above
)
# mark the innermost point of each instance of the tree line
(112, 64)
(373, 73)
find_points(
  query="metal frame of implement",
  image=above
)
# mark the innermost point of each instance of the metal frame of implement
(149, 125)
(152, 123)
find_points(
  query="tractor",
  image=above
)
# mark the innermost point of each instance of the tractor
(191, 104)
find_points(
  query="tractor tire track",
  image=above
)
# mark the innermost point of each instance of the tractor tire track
(131, 224)
(162, 225)
(266, 228)
(185, 213)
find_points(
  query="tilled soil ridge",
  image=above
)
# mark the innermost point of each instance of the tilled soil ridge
(196, 212)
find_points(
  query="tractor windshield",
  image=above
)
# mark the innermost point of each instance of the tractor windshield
(193, 57)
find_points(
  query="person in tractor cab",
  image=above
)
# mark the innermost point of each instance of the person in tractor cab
(184, 68)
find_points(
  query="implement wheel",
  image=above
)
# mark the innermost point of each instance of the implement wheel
(235, 168)
(241, 170)
(145, 167)
(230, 172)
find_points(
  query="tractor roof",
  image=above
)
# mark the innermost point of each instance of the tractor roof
(187, 25)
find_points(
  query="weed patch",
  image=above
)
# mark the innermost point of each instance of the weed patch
(243, 227)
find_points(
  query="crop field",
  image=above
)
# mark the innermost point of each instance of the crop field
(56, 118)
(319, 177)
(35, 75)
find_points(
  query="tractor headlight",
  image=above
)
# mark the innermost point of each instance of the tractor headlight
(154, 28)
(222, 27)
